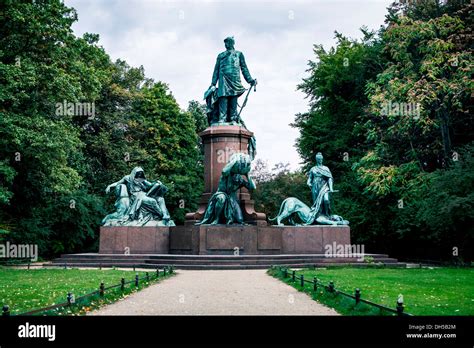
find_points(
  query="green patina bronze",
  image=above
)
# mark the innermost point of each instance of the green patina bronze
(221, 101)
(224, 206)
(320, 181)
(139, 202)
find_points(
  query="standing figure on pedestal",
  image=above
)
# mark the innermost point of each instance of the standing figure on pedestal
(222, 102)
(224, 207)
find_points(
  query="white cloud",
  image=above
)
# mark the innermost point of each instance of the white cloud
(177, 42)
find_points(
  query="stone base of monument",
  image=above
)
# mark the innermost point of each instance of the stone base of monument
(255, 240)
(220, 247)
(222, 239)
(134, 240)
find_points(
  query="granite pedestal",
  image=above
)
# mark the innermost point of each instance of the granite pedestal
(222, 239)
(134, 240)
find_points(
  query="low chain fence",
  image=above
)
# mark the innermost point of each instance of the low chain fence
(330, 287)
(71, 300)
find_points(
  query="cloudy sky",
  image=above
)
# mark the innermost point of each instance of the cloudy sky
(177, 42)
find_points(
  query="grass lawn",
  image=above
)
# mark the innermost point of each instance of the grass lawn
(25, 290)
(426, 291)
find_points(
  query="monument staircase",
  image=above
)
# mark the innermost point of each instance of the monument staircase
(219, 262)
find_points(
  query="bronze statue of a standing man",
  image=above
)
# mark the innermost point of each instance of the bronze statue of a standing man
(227, 72)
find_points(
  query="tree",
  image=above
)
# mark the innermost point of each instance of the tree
(406, 115)
(42, 63)
(168, 138)
(336, 89)
(274, 186)
(198, 112)
(429, 73)
(55, 165)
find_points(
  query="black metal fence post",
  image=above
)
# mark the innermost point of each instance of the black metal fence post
(157, 273)
(315, 284)
(302, 281)
(400, 305)
(331, 286)
(122, 284)
(357, 295)
(69, 298)
(136, 280)
(285, 272)
(164, 271)
(101, 289)
(293, 276)
(147, 277)
(6, 311)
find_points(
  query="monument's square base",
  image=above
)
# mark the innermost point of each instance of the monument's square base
(222, 239)
(134, 240)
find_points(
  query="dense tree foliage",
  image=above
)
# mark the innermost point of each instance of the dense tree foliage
(168, 136)
(54, 164)
(276, 184)
(391, 114)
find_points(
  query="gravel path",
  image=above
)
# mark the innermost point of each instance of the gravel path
(235, 292)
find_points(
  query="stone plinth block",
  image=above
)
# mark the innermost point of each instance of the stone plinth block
(312, 239)
(135, 240)
(222, 239)
(255, 239)
(184, 240)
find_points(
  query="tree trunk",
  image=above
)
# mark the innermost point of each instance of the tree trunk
(444, 118)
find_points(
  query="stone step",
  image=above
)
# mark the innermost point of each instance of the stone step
(217, 261)
(217, 267)
(202, 257)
